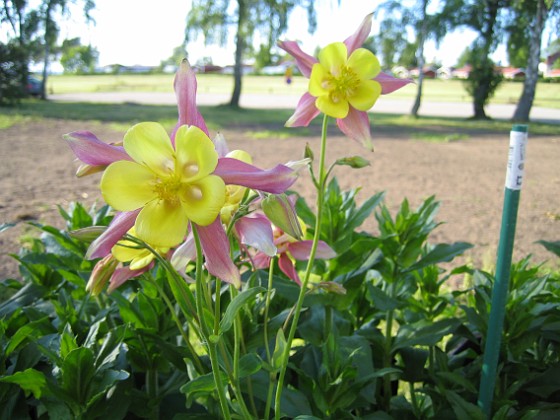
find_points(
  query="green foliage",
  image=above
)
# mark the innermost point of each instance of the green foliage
(383, 333)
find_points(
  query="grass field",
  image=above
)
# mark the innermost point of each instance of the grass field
(548, 94)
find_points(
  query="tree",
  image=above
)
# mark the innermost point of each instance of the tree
(35, 30)
(77, 58)
(401, 15)
(483, 16)
(536, 12)
(267, 18)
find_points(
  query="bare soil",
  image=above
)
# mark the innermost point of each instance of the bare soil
(467, 177)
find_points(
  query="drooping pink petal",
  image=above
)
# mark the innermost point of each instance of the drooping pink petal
(304, 61)
(89, 149)
(255, 230)
(236, 172)
(260, 260)
(185, 253)
(221, 145)
(215, 246)
(121, 224)
(389, 83)
(305, 112)
(185, 86)
(356, 126)
(122, 274)
(300, 250)
(287, 267)
(357, 39)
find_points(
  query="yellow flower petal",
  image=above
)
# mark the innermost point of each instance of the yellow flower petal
(241, 155)
(126, 251)
(365, 96)
(141, 260)
(317, 86)
(162, 223)
(333, 57)
(203, 200)
(127, 185)
(148, 143)
(196, 154)
(364, 64)
(332, 109)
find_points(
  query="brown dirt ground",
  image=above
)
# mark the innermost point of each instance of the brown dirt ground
(467, 177)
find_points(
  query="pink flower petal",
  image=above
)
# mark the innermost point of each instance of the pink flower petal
(261, 260)
(215, 246)
(184, 254)
(89, 149)
(357, 39)
(304, 61)
(255, 230)
(121, 223)
(122, 274)
(356, 126)
(305, 112)
(287, 267)
(236, 172)
(389, 83)
(300, 250)
(185, 86)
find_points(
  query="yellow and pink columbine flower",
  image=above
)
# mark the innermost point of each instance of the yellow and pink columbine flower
(345, 81)
(161, 185)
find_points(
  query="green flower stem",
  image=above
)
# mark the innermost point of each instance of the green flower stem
(198, 364)
(272, 377)
(299, 303)
(237, 337)
(387, 393)
(205, 332)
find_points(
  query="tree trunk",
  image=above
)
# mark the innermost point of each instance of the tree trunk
(525, 103)
(421, 61)
(239, 45)
(485, 79)
(479, 99)
(49, 27)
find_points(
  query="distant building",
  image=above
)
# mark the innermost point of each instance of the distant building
(463, 72)
(512, 73)
(429, 72)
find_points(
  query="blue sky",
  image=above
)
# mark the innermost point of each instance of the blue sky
(135, 32)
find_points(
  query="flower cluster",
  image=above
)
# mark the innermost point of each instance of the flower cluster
(163, 186)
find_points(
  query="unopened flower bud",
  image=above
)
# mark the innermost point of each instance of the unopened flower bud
(88, 234)
(282, 213)
(101, 274)
(356, 162)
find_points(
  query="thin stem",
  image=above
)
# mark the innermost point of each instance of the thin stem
(387, 392)
(299, 303)
(272, 380)
(196, 360)
(210, 344)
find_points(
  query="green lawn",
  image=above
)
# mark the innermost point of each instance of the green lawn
(261, 122)
(548, 94)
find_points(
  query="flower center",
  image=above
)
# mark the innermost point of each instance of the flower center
(341, 86)
(168, 189)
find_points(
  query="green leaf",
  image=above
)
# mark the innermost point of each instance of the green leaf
(553, 247)
(236, 304)
(30, 380)
(77, 372)
(203, 385)
(381, 300)
(464, 410)
(249, 364)
(424, 333)
(279, 349)
(6, 226)
(440, 253)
